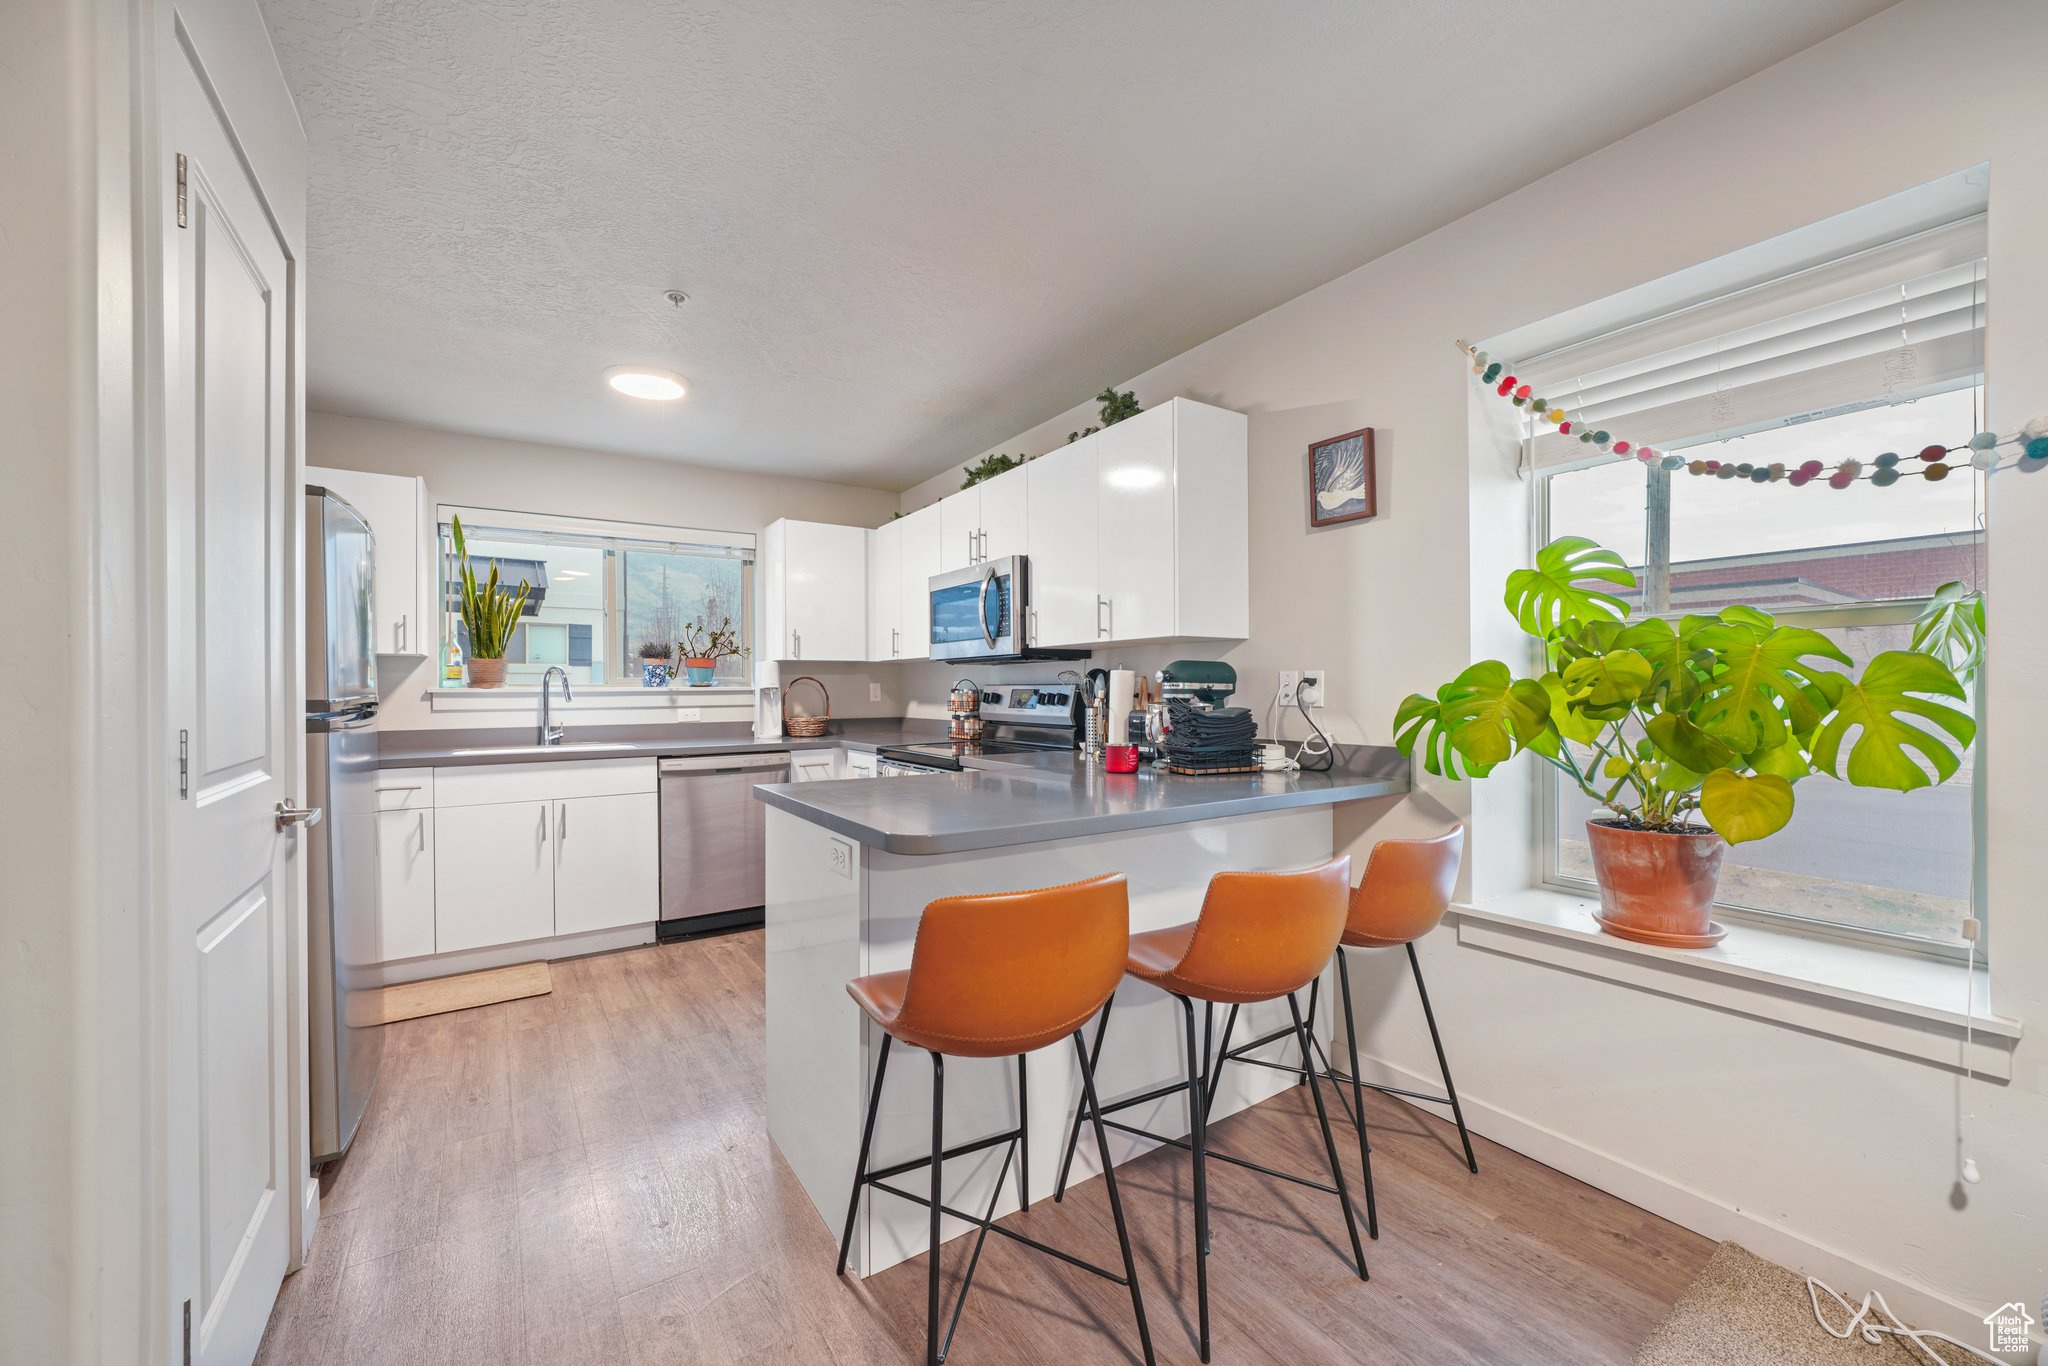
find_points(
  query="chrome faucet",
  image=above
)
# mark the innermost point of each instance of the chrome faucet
(551, 734)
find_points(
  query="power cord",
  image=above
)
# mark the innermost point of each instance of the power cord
(1873, 1332)
(1316, 755)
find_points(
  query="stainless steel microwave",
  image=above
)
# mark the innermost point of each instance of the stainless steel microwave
(980, 612)
(983, 613)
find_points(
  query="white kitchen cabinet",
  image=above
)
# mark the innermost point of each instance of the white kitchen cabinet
(607, 862)
(814, 765)
(960, 530)
(1135, 543)
(494, 874)
(813, 579)
(1061, 491)
(1141, 531)
(403, 568)
(1005, 502)
(859, 763)
(983, 523)
(921, 535)
(885, 591)
(405, 884)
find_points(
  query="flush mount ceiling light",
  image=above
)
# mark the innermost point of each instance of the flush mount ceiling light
(645, 381)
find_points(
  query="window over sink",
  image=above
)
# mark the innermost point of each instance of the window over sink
(598, 592)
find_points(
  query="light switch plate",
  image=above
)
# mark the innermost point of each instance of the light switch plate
(841, 854)
(874, 692)
(1290, 679)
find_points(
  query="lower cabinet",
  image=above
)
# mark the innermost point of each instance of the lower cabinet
(607, 862)
(860, 763)
(813, 765)
(405, 901)
(494, 875)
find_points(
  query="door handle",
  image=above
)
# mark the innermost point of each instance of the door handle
(1031, 626)
(561, 821)
(289, 815)
(423, 832)
(796, 645)
(988, 627)
(403, 622)
(983, 535)
(893, 648)
(1101, 628)
(543, 825)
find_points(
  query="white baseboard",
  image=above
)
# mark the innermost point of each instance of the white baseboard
(1919, 1305)
(505, 955)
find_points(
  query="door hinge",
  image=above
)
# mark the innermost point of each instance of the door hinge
(184, 764)
(188, 1303)
(181, 191)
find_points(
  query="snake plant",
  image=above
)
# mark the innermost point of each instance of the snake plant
(489, 613)
(1722, 714)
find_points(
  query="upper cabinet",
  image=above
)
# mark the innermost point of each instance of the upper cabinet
(922, 539)
(986, 522)
(885, 591)
(814, 597)
(1142, 530)
(1060, 531)
(402, 590)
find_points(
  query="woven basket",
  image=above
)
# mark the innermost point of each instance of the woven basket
(805, 727)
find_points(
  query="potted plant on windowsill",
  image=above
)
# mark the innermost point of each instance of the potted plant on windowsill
(1655, 720)
(655, 671)
(490, 613)
(703, 645)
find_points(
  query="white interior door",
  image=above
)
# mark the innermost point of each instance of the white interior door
(230, 620)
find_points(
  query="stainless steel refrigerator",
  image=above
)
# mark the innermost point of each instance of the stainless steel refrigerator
(341, 865)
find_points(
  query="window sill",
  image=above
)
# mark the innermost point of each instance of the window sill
(1898, 1002)
(591, 697)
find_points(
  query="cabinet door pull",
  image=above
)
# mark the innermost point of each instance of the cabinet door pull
(796, 645)
(561, 821)
(403, 622)
(893, 632)
(543, 825)
(423, 832)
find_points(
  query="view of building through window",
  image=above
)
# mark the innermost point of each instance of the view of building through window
(1855, 564)
(594, 601)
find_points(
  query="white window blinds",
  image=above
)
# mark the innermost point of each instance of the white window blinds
(1895, 322)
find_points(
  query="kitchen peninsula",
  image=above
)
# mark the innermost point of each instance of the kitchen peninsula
(851, 866)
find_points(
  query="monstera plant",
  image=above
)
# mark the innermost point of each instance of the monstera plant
(1657, 720)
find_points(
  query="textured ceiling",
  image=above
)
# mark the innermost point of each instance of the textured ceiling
(908, 230)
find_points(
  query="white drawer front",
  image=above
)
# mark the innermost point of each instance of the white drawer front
(541, 781)
(403, 789)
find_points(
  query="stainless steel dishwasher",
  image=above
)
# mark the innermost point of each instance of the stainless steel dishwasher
(714, 855)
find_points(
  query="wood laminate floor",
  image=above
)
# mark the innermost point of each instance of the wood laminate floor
(586, 1177)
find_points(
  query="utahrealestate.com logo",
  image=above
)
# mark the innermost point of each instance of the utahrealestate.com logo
(2009, 1324)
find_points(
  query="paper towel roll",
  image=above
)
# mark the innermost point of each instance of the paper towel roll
(1123, 696)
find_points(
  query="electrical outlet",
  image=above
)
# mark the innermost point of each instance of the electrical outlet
(874, 692)
(1313, 692)
(689, 714)
(1289, 681)
(841, 855)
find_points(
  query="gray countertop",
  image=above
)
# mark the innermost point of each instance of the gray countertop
(515, 744)
(999, 801)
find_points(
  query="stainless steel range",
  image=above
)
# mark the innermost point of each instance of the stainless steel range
(1021, 718)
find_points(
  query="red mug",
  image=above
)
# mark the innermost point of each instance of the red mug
(1120, 759)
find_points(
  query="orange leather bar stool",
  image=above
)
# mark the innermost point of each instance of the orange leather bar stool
(997, 976)
(1402, 896)
(1260, 936)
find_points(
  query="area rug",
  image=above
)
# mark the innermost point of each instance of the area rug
(1744, 1311)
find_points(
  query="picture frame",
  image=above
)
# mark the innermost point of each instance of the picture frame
(1343, 479)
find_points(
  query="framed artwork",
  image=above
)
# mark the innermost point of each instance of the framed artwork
(1342, 482)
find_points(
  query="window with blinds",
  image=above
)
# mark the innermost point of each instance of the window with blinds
(599, 593)
(1897, 322)
(1881, 350)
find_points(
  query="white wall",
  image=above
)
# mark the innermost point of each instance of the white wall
(1814, 1150)
(481, 471)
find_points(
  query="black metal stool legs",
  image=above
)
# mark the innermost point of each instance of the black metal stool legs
(1372, 1209)
(1443, 1065)
(1315, 1089)
(937, 1346)
(1059, 1190)
(1198, 1124)
(860, 1165)
(1023, 1134)
(1116, 1204)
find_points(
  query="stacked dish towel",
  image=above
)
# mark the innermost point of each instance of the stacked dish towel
(1202, 737)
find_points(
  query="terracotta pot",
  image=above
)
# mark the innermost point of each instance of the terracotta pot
(1657, 887)
(486, 673)
(699, 671)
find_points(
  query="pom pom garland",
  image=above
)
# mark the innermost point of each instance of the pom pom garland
(1984, 451)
